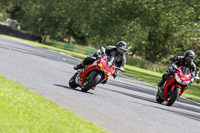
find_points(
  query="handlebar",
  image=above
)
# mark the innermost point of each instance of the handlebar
(175, 67)
(195, 77)
(98, 58)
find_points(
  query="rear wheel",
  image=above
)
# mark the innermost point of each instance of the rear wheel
(173, 97)
(72, 82)
(91, 83)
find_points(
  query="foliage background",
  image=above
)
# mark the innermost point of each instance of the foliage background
(157, 30)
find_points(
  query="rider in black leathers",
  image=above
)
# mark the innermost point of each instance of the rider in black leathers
(186, 60)
(118, 52)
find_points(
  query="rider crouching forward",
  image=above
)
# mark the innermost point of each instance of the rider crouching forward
(186, 60)
(118, 52)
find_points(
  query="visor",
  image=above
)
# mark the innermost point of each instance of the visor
(189, 58)
(121, 51)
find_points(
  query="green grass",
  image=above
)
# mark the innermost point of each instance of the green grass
(22, 111)
(74, 54)
(151, 77)
(141, 63)
(193, 93)
(77, 48)
(142, 74)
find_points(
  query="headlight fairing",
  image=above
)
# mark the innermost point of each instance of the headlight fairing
(103, 70)
(186, 83)
(100, 66)
(178, 79)
(108, 73)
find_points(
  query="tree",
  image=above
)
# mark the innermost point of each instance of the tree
(157, 30)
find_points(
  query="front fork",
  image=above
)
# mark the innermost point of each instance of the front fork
(160, 92)
(90, 76)
(76, 77)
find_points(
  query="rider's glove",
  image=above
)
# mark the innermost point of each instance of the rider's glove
(192, 80)
(170, 67)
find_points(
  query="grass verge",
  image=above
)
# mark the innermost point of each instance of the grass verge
(147, 76)
(22, 111)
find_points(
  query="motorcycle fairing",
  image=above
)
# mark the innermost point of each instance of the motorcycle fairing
(85, 71)
(167, 85)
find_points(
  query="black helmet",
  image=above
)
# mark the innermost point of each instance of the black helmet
(121, 47)
(189, 56)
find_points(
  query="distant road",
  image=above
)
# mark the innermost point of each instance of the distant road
(123, 105)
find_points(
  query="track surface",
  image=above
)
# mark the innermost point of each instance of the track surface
(123, 105)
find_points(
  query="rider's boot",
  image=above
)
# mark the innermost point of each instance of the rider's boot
(160, 83)
(79, 66)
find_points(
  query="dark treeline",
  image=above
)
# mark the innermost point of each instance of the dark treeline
(157, 30)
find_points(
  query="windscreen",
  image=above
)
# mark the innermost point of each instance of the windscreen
(185, 70)
(110, 61)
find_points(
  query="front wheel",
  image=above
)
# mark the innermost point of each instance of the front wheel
(158, 98)
(92, 83)
(173, 97)
(72, 82)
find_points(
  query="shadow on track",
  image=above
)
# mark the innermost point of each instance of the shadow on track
(187, 115)
(135, 96)
(67, 87)
(131, 87)
(181, 103)
(164, 106)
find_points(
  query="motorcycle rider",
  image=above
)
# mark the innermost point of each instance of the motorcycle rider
(186, 60)
(118, 52)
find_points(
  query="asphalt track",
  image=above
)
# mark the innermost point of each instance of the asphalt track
(123, 105)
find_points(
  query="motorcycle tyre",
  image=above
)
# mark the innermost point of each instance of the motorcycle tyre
(174, 96)
(92, 83)
(158, 98)
(72, 82)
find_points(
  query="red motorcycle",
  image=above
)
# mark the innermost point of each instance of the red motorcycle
(95, 73)
(175, 85)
